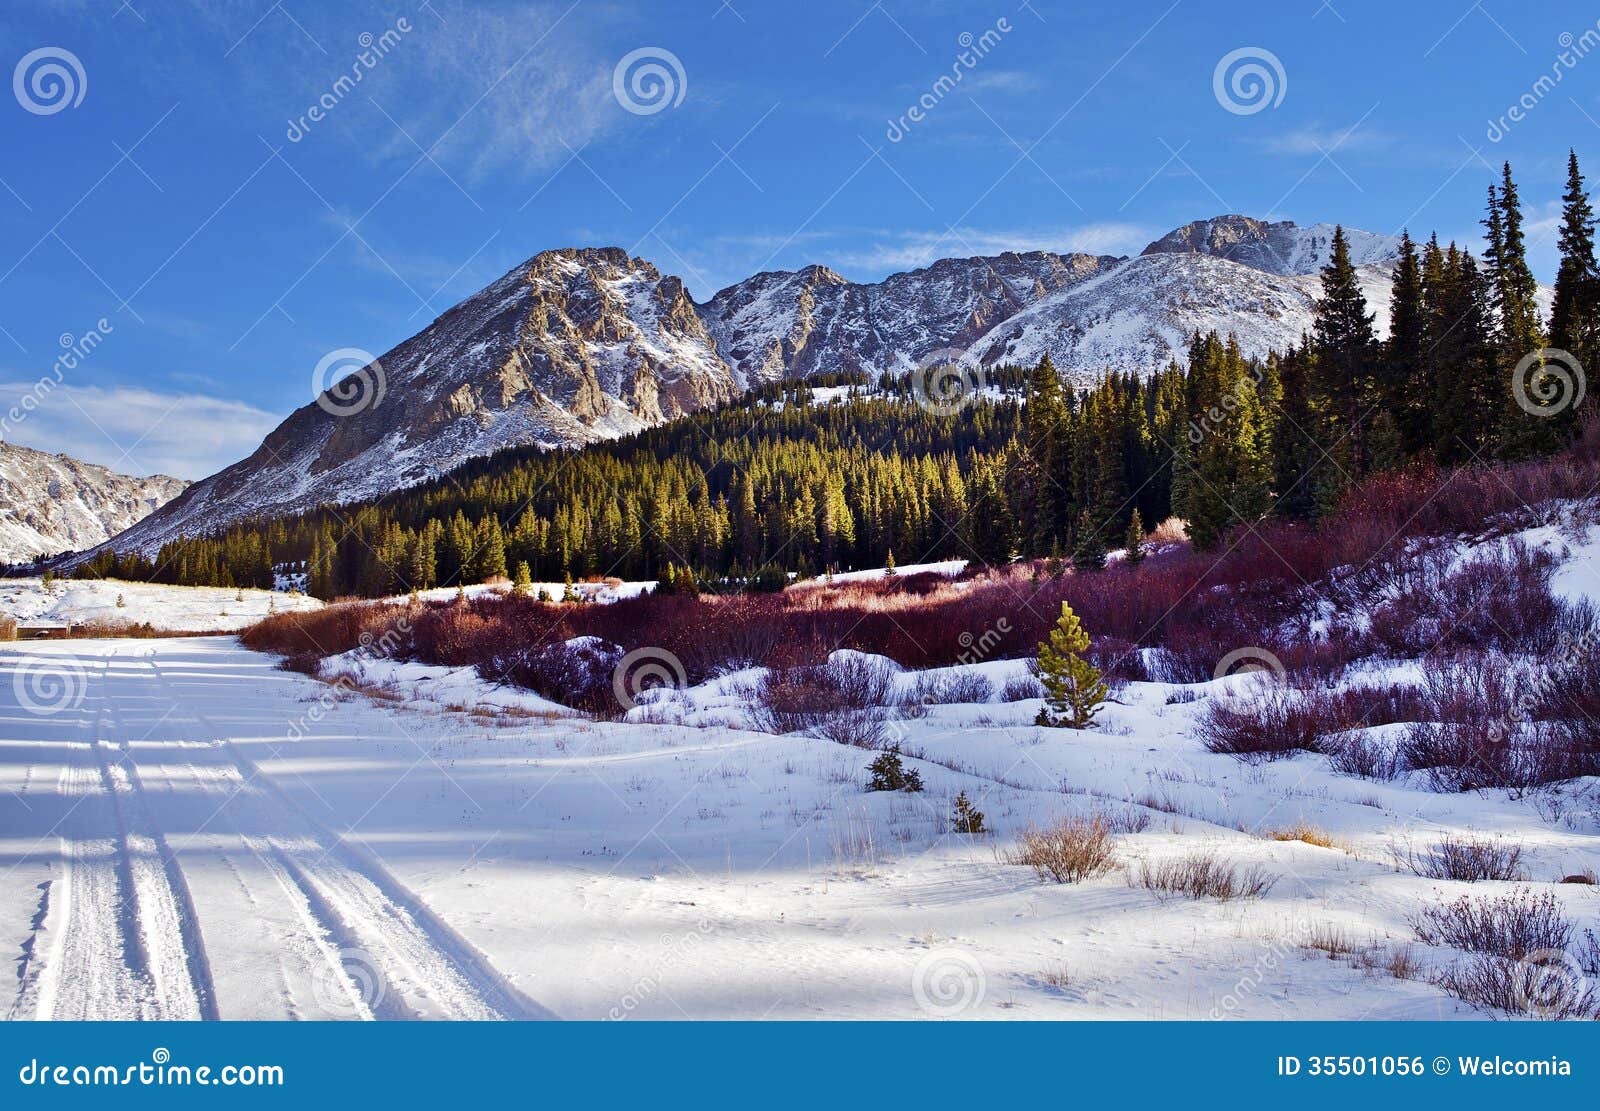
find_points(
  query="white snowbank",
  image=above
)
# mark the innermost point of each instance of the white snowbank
(168, 608)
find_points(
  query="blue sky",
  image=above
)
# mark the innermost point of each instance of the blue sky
(182, 194)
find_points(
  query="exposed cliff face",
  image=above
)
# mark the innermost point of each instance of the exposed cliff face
(51, 504)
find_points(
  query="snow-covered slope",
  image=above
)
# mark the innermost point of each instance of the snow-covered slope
(1139, 315)
(53, 503)
(1281, 248)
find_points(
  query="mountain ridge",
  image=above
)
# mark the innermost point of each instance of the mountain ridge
(52, 503)
(581, 344)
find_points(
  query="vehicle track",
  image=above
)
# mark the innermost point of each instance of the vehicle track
(161, 922)
(384, 953)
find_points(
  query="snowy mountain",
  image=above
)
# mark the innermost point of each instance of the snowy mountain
(581, 345)
(571, 347)
(1140, 314)
(803, 323)
(1282, 248)
(53, 503)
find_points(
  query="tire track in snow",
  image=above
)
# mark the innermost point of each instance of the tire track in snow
(400, 959)
(160, 924)
(84, 970)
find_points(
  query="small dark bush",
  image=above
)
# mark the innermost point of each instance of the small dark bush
(1021, 688)
(848, 694)
(889, 773)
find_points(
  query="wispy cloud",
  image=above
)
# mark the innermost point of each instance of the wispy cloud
(138, 431)
(1318, 140)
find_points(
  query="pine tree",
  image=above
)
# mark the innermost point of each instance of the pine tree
(1074, 689)
(1346, 354)
(889, 773)
(1403, 387)
(964, 817)
(522, 583)
(1133, 543)
(1520, 333)
(1088, 544)
(1047, 433)
(1573, 323)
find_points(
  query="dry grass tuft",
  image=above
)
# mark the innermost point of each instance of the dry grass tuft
(1073, 849)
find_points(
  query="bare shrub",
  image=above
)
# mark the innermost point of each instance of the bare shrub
(952, 688)
(1587, 953)
(1058, 976)
(1204, 875)
(1130, 819)
(1359, 755)
(856, 728)
(579, 673)
(843, 699)
(8, 628)
(1276, 719)
(1477, 731)
(1513, 925)
(1262, 725)
(1021, 688)
(1543, 988)
(1500, 599)
(1071, 850)
(1466, 858)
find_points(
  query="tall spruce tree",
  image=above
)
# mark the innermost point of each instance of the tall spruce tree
(1403, 386)
(1347, 351)
(1573, 321)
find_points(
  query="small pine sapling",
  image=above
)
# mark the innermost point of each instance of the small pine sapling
(1073, 688)
(523, 582)
(890, 774)
(966, 818)
(1135, 541)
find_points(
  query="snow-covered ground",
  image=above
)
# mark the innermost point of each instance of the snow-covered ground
(190, 609)
(291, 848)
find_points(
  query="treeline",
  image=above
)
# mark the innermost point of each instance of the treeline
(737, 493)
